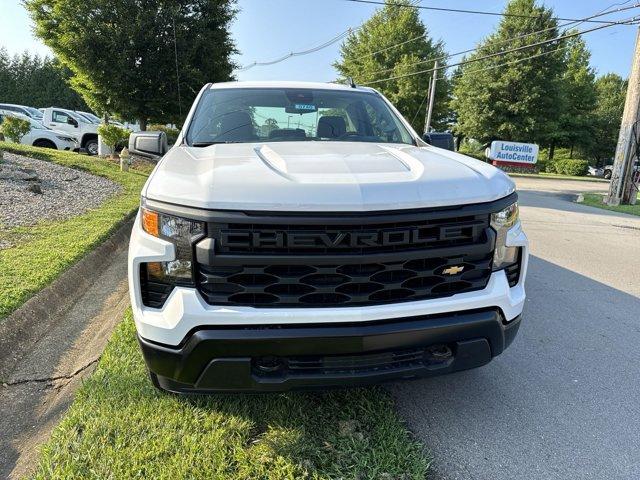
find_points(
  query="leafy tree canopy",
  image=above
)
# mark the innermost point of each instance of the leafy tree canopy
(122, 53)
(36, 82)
(611, 91)
(389, 26)
(515, 96)
(578, 97)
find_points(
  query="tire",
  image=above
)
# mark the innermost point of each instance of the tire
(44, 143)
(92, 146)
(607, 174)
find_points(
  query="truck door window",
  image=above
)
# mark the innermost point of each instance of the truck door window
(60, 117)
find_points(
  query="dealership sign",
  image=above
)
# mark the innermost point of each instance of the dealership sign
(513, 152)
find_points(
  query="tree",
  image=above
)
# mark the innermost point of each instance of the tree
(112, 135)
(611, 91)
(389, 26)
(122, 53)
(37, 82)
(497, 98)
(578, 96)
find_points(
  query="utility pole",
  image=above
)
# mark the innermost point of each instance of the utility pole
(620, 189)
(432, 95)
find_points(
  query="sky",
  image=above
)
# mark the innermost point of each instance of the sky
(268, 29)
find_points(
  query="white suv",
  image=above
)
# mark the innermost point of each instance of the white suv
(303, 235)
(41, 136)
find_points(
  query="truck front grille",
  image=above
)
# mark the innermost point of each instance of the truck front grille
(353, 364)
(259, 259)
(312, 285)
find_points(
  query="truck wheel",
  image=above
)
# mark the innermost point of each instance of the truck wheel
(607, 174)
(91, 146)
(43, 143)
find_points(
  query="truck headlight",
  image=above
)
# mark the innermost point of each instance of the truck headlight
(183, 233)
(501, 222)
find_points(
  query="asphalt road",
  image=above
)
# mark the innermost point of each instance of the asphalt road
(563, 402)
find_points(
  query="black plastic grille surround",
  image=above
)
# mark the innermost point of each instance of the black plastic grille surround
(154, 292)
(275, 271)
(465, 229)
(349, 364)
(513, 271)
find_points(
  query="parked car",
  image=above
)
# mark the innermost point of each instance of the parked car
(608, 169)
(339, 250)
(41, 136)
(596, 171)
(68, 121)
(22, 109)
(90, 117)
(440, 140)
(97, 120)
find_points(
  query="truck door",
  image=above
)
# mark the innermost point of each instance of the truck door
(63, 122)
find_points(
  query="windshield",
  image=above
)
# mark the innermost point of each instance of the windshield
(34, 112)
(90, 116)
(243, 115)
(36, 124)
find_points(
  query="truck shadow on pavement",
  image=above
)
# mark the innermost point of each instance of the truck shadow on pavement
(562, 402)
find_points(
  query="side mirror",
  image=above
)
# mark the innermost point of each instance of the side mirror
(427, 138)
(72, 121)
(148, 144)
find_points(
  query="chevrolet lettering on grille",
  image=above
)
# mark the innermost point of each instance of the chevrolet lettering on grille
(342, 239)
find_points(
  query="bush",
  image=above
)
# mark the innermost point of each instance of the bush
(550, 167)
(172, 133)
(14, 128)
(112, 135)
(571, 167)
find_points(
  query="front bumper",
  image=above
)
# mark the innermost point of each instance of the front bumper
(279, 358)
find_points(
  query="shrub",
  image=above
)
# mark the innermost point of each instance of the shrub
(550, 167)
(172, 133)
(112, 135)
(14, 128)
(572, 167)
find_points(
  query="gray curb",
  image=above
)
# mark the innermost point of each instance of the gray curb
(21, 330)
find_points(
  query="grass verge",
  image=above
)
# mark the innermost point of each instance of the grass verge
(595, 200)
(41, 252)
(558, 176)
(119, 426)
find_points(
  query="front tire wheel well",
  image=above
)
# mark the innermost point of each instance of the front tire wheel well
(44, 143)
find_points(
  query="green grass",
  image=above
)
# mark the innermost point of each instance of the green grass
(41, 252)
(559, 176)
(119, 426)
(595, 200)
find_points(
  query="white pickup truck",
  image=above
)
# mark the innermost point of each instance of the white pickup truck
(68, 121)
(303, 235)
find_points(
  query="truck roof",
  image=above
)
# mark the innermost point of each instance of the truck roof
(290, 84)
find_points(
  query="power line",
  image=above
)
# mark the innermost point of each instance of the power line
(512, 62)
(518, 37)
(476, 12)
(519, 60)
(503, 52)
(333, 40)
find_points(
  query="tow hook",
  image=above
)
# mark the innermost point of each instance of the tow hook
(440, 353)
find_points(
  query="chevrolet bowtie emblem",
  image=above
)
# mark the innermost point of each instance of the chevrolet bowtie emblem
(453, 270)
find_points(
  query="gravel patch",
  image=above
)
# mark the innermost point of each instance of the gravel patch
(33, 190)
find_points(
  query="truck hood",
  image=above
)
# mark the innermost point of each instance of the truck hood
(322, 177)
